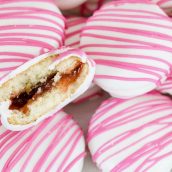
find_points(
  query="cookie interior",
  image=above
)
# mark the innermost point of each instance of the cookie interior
(38, 90)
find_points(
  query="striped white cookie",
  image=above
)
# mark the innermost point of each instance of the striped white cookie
(28, 28)
(133, 135)
(56, 144)
(131, 44)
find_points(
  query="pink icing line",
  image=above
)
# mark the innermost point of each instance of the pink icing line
(27, 56)
(75, 161)
(74, 44)
(5, 133)
(75, 21)
(7, 69)
(139, 16)
(77, 32)
(12, 59)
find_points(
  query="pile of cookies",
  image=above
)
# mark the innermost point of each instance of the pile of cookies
(57, 52)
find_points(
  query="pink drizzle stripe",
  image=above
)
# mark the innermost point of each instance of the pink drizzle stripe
(27, 56)
(26, 145)
(18, 31)
(132, 15)
(132, 40)
(143, 129)
(81, 156)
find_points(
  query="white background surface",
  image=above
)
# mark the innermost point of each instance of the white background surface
(82, 113)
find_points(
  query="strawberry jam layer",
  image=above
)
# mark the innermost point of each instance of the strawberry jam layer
(21, 101)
